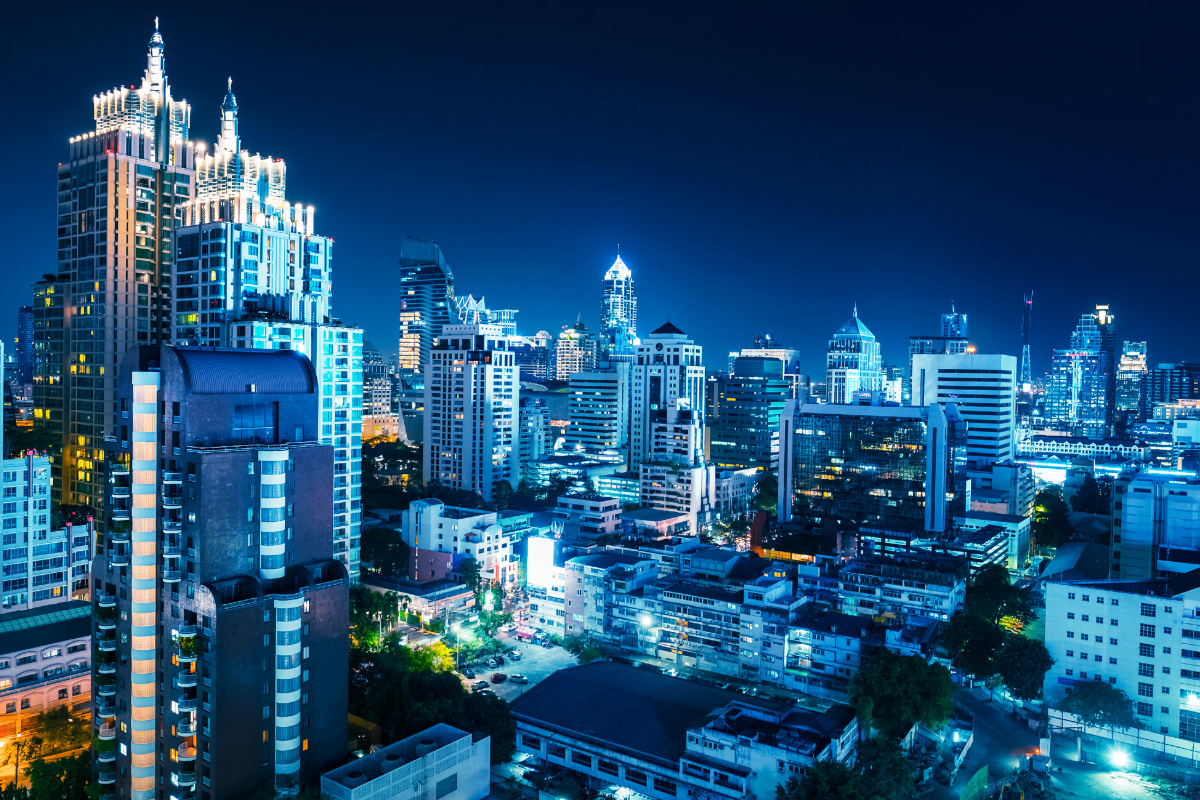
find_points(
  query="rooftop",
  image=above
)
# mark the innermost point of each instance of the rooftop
(990, 516)
(637, 711)
(652, 515)
(33, 629)
(229, 371)
(606, 560)
(707, 592)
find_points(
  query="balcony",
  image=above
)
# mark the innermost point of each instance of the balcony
(118, 559)
(188, 650)
(106, 618)
(187, 631)
(119, 514)
(172, 524)
(172, 501)
(106, 755)
(186, 679)
(118, 534)
(107, 689)
(172, 549)
(172, 576)
(118, 467)
(184, 777)
(187, 704)
(119, 491)
(107, 668)
(106, 776)
(106, 644)
(186, 727)
(107, 731)
(106, 600)
(187, 754)
(172, 477)
(105, 708)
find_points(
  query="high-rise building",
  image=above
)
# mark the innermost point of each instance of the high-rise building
(575, 350)
(744, 433)
(670, 366)
(40, 565)
(928, 345)
(767, 346)
(1082, 389)
(426, 303)
(1156, 525)
(852, 363)
(893, 467)
(534, 440)
(674, 476)
(472, 395)
(618, 310)
(221, 613)
(1167, 383)
(954, 324)
(121, 194)
(1131, 375)
(244, 251)
(24, 352)
(984, 389)
(599, 413)
(377, 389)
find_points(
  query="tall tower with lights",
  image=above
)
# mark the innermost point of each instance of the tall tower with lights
(618, 310)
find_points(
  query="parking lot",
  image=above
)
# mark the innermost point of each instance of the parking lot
(536, 664)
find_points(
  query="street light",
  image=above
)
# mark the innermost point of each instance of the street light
(1119, 758)
(455, 627)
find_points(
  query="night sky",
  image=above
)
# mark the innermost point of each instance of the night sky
(762, 167)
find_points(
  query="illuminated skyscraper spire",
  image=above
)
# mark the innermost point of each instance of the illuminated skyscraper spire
(618, 310)
(156, 76)
(227, 142)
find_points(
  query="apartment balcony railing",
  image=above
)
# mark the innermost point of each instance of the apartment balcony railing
(187, 754)
(184, 777)
(106, 775)
(118, 535)
(118, 467)
(107, 731)
(186, 679)
(107, 668)
(106, 755)
(105, 707)
(172, 477)
(186, 727)
(172, 576)
(187, 704)
(172, 524)
(106, 644)
(106, 600)
(172, 549)
(172, 501)
(119, 491)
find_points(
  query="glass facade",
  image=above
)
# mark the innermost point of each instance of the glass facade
(745, 426)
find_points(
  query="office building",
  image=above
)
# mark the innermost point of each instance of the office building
(41, 566)
(929, 345)
(718, 744)
(335, 351)
(472, 393)
(426, 304)
(575, 350)
(1081, 393)
(45, 663)
(1167, 383)
(983, 389)
(743, 433)
(226, 629)
(1007, 488)
(852, 363)
(1156, 525)
(1136, 635)
(441, 537)
(378, 418)
(1016, 530)
(1131, 376)
(674, 476)
(954, 324)
(670, 366)
(243, 249)
(598, 586)
(618, 310)
(585, 516)
(121, 191)
(471, 311)
(599, 413)
(443, 763)
(22, 378)
(766, 346)
(534, 440)
(882, 466)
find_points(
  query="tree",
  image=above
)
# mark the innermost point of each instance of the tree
(1100, 704)
(60, 731)
(371, 615)
(587, 647)
(973, 642)
(20, 748)
(1023, 663)
(766, 492)
(492, 621)
(1087, 497)
(904, 690)
(502, 495)
(825, 780)
(992, 596)
(1051, 527)
(61, 779)
(386, 551)
(469, 569)
(20, 438)
(884, 772)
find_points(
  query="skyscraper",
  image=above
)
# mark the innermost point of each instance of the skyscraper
(669, 367)
(618, 310)
(599, 413)
(674, 476)
(575, 350)
(426, 304)
(954, 324)
(1078, 392)
(1131, 376)
(24, 352)
(121, 193)
(852, 363)
(744, 434)
(472, 395)
(983, 387)
(221, 649)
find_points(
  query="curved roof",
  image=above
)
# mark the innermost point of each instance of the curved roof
(668, 328)
(230, 371)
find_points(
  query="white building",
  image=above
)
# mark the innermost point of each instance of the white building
(1142, 636)
(853, 362)
(586, 516)
(471, 395)
(439, 763)
(1017, 529)
(669, 366)
(920, 585)
(599, 413)
(674, 476)
(1156, 526)
(441, 537)
(1041, 444)
(40, 565)
(983, 388)
(734, 491)
(336, 353)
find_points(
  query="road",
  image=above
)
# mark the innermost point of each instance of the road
(999, 743)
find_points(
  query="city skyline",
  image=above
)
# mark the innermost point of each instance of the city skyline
(924, 202)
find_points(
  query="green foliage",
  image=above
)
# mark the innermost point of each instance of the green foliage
(385, 550)
(469, 570)
(586, 647)
(884, 772)
(904, 690)
(502, 495)
(826, 780)
(61, 779)
(1051, 527)
(189, 645)
(973, 641)
(1100, 704)
(1091, 497)
(992, 596)
(407, 690)
(492, 621)
(60, 731)
(1023, 663)
(19, 438)
(372, 613)
(766, 492)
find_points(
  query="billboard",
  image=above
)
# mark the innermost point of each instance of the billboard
(539, 556)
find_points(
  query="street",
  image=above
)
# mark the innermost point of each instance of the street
(999, 743)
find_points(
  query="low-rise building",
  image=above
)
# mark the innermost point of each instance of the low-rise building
(734, 491)
(668, 551)
(1156, 525)
(586, 516)
(441, 537)
(1040, 444)
(439, 763)
(914, 585)
(45, 662)
(669, 739)
(1016, 528)
(656, 522)
(625, 486)
(826, 649)
(429, 600)
(592, 582)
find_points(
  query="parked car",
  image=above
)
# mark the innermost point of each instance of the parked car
(491, 663)
(499, 661)
(546, 643)
(518, 679)
(486, 691)
(468, 672)
(499, 677)
(512, 626)
(479, 685)
(515, 655)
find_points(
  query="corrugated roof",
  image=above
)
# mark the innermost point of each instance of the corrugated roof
(232, 371)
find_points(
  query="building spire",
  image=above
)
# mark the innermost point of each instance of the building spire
(856, 309)
(227, 142)
(156, 78)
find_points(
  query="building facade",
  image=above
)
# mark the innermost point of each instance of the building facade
(441, 537)
(1156, 525)
(599, 413)
(618, 310)
(853, 362)
(45, 663)
(983, 388)
(222, 581)
(744, 433)
(426, 304)
(674, 476)
(669, 366)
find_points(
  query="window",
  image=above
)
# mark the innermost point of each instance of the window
(1083, 636)
(1166, 631)
(1070, 634)
(1070, 672)
(1099, 620)
(1114, 602)
(581, 758)
(531, 741)
(1166, 689)
(1085, 617)
(1112, 660)
(1070, 615)
(1146, 670)
(1086, 598)
(1146, 630)
(1149, 610)
(1070, 654)
(1145, 690)
(1145, 709)
(1113, 622)
(1070, 595)
(1113, 642)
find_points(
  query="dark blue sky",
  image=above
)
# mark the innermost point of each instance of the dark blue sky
(762, 167)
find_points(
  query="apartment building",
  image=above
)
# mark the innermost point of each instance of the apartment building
(903, 586)
(1156, 525)
(45, 663)
(591, 584)
(41, 567)
(825, 649)
(441, 537)
(587, 515)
